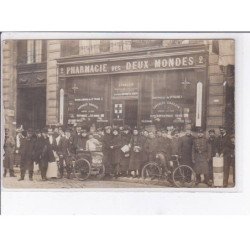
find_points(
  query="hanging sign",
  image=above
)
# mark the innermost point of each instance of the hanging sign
(199, 104)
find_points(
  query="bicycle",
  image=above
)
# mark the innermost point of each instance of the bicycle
(88, 163)
(177, 174)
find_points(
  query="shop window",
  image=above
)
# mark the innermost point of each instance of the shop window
(159, 85)
(69, 48)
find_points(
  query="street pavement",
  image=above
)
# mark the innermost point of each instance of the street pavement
(121, 182)
(12, 182)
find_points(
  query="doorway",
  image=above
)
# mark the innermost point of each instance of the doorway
(31, 108)
(131, 112)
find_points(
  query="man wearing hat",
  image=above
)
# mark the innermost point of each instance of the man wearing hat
(19, 137)
(212, 143)
(224, 151)
(8, 161)
(63, 148)
(44, 153)
(200, 157)
(28, 155)
(125, 150)
(106, 143)
(186, 144)
(78, 139)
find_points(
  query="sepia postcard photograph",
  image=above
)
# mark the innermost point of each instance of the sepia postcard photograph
(128, 113)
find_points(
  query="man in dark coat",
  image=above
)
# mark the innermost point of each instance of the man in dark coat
(77, 139)
(125, 155)
(186, 144)
(200, 157)
(9, 148)
(136, 147)
(106, 143)
(232, 156)
(224, 151)
(115, 146)
(62, 149)
(166, 147)
(27, 155)
(44, 153)
(212, 143)
(152, 146)
(175, 143)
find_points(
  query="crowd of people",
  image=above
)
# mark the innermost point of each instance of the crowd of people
(125, 150)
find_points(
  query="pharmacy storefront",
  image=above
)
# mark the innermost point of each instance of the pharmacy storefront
(161, 87)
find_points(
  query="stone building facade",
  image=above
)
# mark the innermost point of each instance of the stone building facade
(37, 75)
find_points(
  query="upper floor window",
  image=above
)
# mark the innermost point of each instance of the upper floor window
(120, 45)
(89, 47)
(69, 48)
(31, 51)
(146, 43)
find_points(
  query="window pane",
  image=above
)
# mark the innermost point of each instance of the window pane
(22, 51)
(69, 48)
(104, 45)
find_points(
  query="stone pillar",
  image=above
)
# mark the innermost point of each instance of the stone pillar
(9, 85)
(52, 105)
(216, 95)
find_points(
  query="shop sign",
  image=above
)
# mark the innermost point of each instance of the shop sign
(166, 109)
(125, 89)
(134, 65)
(87, 108)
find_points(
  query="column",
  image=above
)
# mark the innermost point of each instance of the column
(52, 111)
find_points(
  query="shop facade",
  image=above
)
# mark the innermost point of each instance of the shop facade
(160, 83)
(161, 87)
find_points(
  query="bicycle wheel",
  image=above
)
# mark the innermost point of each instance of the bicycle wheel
(184, 176)
(82, 169)
(151, 172)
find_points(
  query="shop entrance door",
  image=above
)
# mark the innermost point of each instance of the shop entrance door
(130, 112)
(31, 109)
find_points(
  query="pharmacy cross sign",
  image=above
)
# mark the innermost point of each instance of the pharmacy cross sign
(74, 88)
(118, 108)
(185, 83)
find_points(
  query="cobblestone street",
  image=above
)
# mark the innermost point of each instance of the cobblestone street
(121, 182)
(12, 182)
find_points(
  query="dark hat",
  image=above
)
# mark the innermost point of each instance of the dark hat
(29, 130)
(126, 127)
(211, 131)
(222, 127)
(68, 130)
(44, 130)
